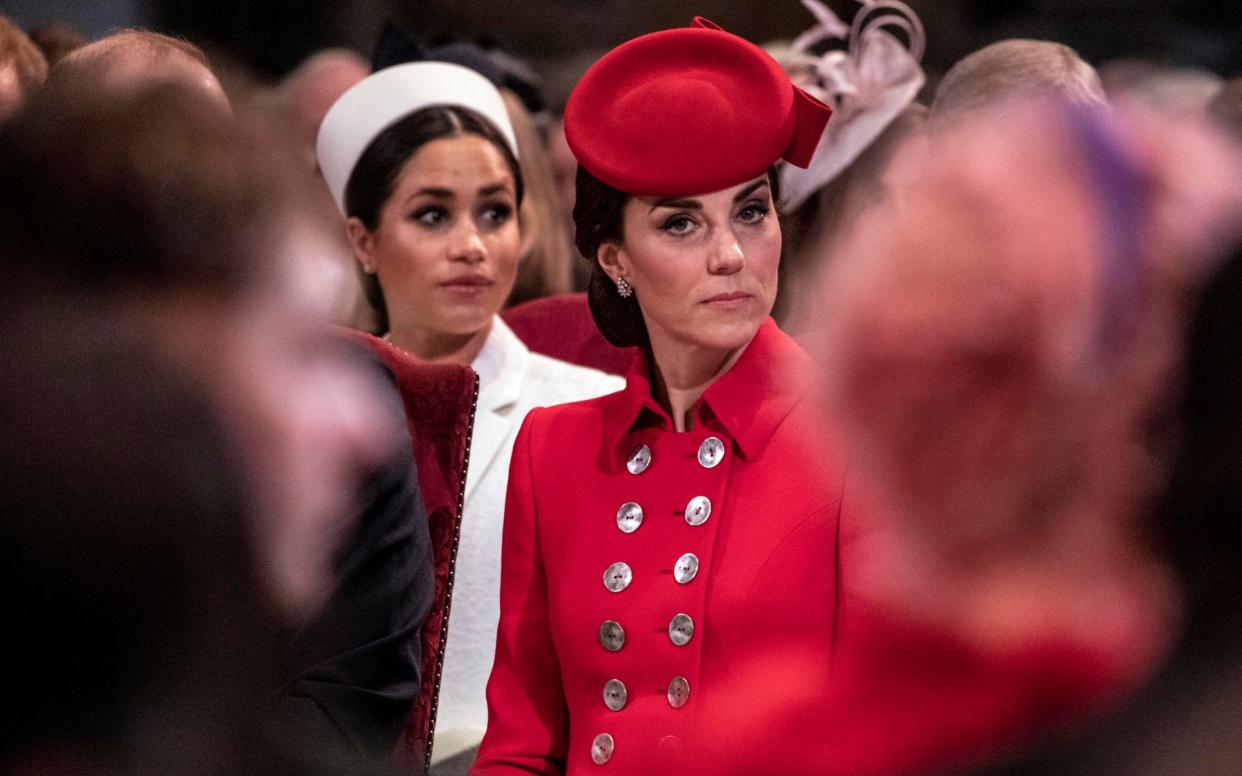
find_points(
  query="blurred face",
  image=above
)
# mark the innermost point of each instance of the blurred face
(10, 90)
(447, 244)
(312, 90)
(309, 419)
(703, 268)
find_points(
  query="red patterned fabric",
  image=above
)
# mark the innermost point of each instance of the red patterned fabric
(561, 327)
(439, 401)
(689, 111)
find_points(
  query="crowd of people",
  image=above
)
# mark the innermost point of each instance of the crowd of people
(760, 410)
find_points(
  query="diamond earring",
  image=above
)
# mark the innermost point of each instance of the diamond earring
(624, 289)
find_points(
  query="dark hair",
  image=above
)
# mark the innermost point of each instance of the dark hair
(375, 175)
(1201, 532)
(598, 218)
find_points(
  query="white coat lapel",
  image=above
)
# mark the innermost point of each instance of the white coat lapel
(501, 365)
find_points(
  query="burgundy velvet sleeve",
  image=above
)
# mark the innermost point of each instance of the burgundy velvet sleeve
(527, 729)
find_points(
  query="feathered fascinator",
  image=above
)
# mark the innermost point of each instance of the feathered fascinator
(868, 84)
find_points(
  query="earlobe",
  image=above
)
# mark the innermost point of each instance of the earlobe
(362, 242)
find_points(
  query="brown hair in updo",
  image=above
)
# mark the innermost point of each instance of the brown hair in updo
(598, 217)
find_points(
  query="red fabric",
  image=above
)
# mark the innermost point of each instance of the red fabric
(689, 111)
(906, 698)
(439, 402)
(916, 697)
(765, 585)
(561, 326)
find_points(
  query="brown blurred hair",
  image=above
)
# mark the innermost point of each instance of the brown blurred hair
(18, 49)
(546, 265)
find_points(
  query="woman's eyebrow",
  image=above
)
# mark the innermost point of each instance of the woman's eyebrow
(431, 191)
(751, 189)
(680, 204)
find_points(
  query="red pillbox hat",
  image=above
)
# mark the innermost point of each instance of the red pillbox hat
(689, 111)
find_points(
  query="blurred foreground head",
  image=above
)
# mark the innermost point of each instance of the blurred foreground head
(126, 564)
(1002, 336)
(994, 75)
(154, 208)
(133, 59)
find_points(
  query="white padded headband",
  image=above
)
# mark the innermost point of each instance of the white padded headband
(382, 99)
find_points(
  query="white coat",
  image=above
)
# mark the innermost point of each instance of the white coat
(512, 382)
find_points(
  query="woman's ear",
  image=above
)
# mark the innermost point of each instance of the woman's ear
(612, 259)
(362, 241)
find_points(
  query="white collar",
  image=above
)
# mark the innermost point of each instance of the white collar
(501, 362)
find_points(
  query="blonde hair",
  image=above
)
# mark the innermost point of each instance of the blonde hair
(1008, 68)
(546, 266)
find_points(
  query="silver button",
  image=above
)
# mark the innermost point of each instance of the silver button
(639, 460)
(615, 694)
(698, 510)
(686, 569)
(711, 452)
(629, 517)
(678, 692)
(601, 748)
(611, 636)
(681, 630)
(618, 577)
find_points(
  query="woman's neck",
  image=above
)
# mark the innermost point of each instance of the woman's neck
(439, 348)
(682, 372)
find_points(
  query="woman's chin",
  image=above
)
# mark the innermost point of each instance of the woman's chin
(727, 333)
(464, 319)
(724, 341)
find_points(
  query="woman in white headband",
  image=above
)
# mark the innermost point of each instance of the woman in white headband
(421, 158)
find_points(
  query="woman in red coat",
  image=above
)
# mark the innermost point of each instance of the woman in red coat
(662, 541)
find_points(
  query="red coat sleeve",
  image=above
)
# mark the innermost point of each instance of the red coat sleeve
(527, 728)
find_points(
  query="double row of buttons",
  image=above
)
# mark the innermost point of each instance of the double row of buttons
(619, 576)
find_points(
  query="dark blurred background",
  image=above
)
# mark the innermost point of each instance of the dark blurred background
(556, 35)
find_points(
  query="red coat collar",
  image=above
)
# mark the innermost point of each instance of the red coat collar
(747, 402)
